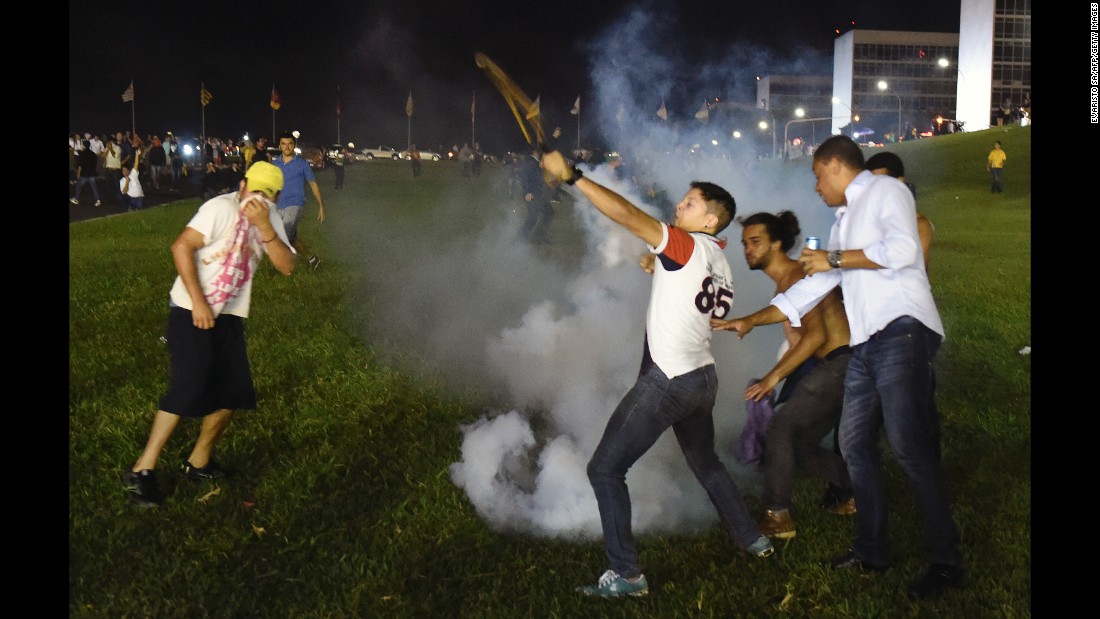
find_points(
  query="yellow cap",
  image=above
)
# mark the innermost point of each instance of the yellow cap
(265, 177)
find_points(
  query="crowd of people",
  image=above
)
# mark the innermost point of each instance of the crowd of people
(164, 164)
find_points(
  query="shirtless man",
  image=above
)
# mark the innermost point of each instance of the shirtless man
(813, 366)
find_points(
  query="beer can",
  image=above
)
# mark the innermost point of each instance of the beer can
(812, 242)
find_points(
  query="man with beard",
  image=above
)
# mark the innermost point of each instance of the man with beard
(813, 365)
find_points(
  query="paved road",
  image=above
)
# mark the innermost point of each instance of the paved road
(153, 197)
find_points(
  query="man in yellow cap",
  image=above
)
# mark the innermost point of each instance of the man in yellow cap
(215, 257)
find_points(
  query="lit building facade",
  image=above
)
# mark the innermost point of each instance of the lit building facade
(994, 62)
(892, 80)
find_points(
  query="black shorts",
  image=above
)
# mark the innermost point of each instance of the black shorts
(210, 370)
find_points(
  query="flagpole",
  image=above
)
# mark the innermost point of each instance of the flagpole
(473, 119)
(578, 128)
(202, 89)
(338, 115)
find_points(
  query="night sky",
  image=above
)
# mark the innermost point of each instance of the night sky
(374, 53)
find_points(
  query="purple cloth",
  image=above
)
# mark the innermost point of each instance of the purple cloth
(750, 445)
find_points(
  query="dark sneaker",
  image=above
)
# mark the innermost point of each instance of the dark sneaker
(208, 472)
(142, 487)
(611, 585)
(762, 547)
(778, 524)
(936, 580)
(314, 262)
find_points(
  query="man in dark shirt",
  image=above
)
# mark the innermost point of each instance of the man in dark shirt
(86, 162)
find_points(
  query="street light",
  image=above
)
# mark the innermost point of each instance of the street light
(805, 120)
(945, 63)
(882, 85)
(852, 115)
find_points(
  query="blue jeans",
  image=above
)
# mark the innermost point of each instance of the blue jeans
(654, 403)
(996, 174)
(890, 384)
(87, 180)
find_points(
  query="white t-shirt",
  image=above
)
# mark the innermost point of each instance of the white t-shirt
(691, 282)
(134, 190)
(230, 254)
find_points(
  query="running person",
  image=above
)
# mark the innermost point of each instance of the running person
(292, 201)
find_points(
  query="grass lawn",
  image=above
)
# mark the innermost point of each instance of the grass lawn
(427, 316)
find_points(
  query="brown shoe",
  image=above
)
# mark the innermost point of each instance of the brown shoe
(843, 508)
(778, 524)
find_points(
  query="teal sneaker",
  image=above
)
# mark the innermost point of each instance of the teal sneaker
(762, 547)
(611, 585)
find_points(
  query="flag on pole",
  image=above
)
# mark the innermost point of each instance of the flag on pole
(704, 113)
(128, 94)
(409, 105)
(205, 95)
(534, 112)
(576, 107)
(473, 105)
(276, 103)
(663, 112)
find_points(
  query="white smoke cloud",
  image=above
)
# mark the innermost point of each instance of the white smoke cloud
(565, 345)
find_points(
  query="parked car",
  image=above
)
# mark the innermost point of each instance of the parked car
(314, 155)
(425, 155)
(380, 152)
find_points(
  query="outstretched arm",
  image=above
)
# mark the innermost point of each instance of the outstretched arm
(765, 316)
(614, 206)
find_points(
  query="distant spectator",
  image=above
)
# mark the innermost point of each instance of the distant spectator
(995, 164)
(175, 162)
(414, 159)
(212, 181)
(339, 160)
(466, 157)
(86, 162)
(261, 152)
(133, 195)
(158, 161)
(112, 168)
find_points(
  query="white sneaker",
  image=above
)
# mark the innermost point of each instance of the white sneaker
(98, 203)
(74, 201)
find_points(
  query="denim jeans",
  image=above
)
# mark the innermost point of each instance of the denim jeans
(890, 385)
(797, 429)
(654, 403)
(996, 174)
(87, 180)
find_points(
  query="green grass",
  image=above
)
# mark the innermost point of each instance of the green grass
(342, 505)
